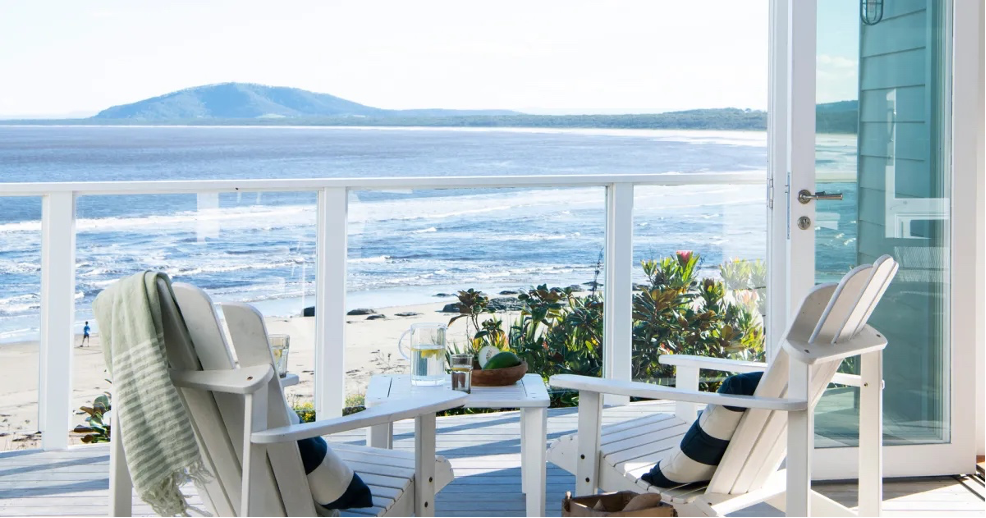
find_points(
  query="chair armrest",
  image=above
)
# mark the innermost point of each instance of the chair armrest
(246, 380)
(650, 391)
(388, 412)
(712, 364)
(740, 366)
(866, 340)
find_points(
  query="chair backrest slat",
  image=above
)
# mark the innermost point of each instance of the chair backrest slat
(811, 311)
(248, 333)
(884, 270)
(209, 346)
(847, 293)
(773, 448)
(763, 426)
(831, 313)
(204, 409)
(750, 428)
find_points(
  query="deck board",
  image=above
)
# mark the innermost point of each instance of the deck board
(484, 450)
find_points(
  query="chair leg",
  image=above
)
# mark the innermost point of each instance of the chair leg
(424, 465)
(380, 436)
(254, 455)
(800, 443)
(590, 428)
(121, 485)
(871, 434)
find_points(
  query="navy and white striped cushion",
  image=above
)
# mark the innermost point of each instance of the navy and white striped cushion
(333, 483)
(703, 446)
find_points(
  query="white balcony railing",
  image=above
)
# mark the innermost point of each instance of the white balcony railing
(58, 286)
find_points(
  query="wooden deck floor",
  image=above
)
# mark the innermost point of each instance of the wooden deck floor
(484, 450)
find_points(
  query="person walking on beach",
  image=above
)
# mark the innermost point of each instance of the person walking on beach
(85, 334)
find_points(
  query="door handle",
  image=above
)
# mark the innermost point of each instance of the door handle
(805, 196)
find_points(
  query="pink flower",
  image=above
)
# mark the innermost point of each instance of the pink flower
(684, 256)
(747, 297)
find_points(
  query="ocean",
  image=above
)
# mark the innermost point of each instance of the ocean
(405, 247)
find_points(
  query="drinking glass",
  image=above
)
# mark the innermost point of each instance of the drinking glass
(462, 372)
(279, 345)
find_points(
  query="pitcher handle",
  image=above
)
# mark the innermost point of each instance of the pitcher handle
(400, 345)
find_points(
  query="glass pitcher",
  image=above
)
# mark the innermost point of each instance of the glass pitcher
(427, 353)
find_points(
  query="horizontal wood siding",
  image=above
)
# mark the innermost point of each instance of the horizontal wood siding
(870, 233)
(898, 69)
(894, 8)
(893, 132)
(894, 35)
(911, 142)
(913, 178)
(910, 104)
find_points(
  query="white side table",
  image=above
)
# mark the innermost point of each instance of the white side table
(529, 394)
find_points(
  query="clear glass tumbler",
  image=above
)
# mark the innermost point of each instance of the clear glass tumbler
(279, 345)
(462, 372)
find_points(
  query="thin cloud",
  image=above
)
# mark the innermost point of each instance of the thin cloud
(837, 78)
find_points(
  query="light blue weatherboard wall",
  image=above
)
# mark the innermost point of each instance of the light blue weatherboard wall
(903, 55)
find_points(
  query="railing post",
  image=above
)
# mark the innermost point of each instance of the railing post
(618, 288)
(330, 302)
(57, 319)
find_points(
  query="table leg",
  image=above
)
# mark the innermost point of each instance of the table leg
(523, 453)
(534, 427)
(380, 436)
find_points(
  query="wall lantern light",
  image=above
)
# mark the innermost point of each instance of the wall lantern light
(871, 11)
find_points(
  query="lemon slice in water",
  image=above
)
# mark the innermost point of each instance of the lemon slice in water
(432, 352)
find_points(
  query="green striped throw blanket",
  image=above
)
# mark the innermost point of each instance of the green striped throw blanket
(157, 436)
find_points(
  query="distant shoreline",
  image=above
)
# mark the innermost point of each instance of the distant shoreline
(517, 129)
(699, 119)
(513, 129)
(455, 123)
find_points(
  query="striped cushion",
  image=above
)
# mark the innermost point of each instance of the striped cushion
(333, 483)
(703, 446)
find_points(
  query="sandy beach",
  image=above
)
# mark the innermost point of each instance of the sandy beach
(371, 348)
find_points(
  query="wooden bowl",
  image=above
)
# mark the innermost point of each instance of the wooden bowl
(499, 377)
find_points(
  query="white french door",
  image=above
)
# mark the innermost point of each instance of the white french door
(862, 96)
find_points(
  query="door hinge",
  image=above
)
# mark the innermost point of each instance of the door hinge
(770, 193)
(787, 197)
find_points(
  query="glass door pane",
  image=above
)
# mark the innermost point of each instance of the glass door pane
(882, 93)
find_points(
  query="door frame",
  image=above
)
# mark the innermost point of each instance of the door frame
(791, 152)
(979, 107)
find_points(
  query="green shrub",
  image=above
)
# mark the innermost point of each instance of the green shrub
(95, 429)
(305, 410)
(561, 332)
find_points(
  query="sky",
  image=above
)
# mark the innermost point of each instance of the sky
(837, 51)
(66, 57)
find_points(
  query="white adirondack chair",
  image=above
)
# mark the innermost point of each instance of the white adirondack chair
(240, 417)
(778, 422)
